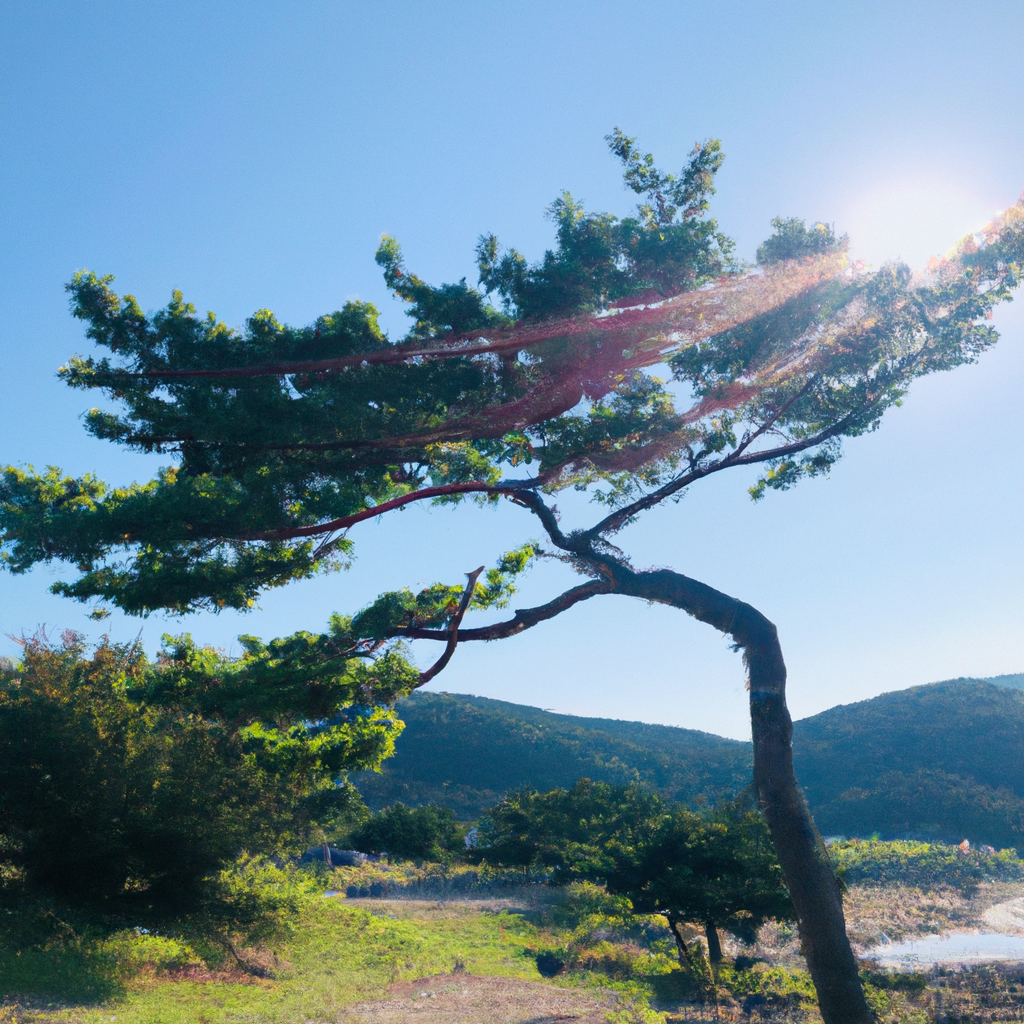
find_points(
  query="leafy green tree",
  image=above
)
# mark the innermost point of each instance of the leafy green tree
(282, 439)
(568, 832)
(411, 833)
(126, 792)
(717, 870)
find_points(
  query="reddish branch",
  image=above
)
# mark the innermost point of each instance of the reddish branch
(522, 490)
(291, 532)
(703, 313)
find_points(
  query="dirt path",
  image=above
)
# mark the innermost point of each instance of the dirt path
(468, 999)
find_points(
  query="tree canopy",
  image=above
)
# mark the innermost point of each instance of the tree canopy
(718, 870)
(411, 833)
(568, 832)
(283, 438)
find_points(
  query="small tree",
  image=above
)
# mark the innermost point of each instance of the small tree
(411, 833)
(565, 831)
(716, 870)
(284, 439)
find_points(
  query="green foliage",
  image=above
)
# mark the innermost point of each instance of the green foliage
(404, 833)
(717, 869)
(394, 611)
(906, 862)
(928, 804)
(336, 956)
(254, 900)
(566, 831)
(129, 788)
(791, 239)
(585, 904)
(452, 308)
(635, 1009)
(940, 762)
(598, 259)
(282, 437)
(775, 990)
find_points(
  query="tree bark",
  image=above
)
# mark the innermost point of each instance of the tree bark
(809, 875)
(714, 945)
(805, 862)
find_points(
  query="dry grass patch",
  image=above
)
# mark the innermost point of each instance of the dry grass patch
(894, 912)
(468, 999)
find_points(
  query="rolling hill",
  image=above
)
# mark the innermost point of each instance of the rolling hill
(467, 752)
(943, 761)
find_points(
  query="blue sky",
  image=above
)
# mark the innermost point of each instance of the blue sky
(252, 154)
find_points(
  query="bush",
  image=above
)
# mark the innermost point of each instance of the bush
(618, 961)
(549, 964)
(881, 862)
(584, 903)
(122, 805)
(411, 833)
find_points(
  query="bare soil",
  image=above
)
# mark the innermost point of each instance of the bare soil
(468, 999)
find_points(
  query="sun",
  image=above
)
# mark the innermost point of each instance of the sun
(912, 218)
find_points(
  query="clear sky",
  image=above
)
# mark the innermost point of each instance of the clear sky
(252, 154)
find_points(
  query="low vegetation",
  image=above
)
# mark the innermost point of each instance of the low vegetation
(389, 956)
(128, 788)
(926, 865)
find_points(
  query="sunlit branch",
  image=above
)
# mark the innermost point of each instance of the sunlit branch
(696, 314)
(344, 522)
(619, 518)
(523, 619)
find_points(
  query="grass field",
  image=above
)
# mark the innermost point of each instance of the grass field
(474, 961)
(340, 954)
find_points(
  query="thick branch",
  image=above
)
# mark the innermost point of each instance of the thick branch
(523, 619)
(535, 503)
(453, 630)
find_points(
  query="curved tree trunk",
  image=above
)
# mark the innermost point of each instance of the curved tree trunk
(805, 862)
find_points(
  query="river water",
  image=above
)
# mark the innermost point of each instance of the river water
(966, 948)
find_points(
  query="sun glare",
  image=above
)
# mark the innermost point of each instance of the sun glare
(912, 220)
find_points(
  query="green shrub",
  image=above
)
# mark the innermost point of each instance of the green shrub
(128, 789)
(411, 833)
(584, 903)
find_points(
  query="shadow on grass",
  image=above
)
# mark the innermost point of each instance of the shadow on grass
(66, 975)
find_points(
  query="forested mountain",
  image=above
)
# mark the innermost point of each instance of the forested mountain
(944, 760)
(1014, 681)
(467, 752)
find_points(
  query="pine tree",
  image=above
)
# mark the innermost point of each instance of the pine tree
(282, 439)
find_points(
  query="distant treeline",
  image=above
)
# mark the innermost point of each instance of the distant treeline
(943, 762)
